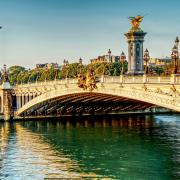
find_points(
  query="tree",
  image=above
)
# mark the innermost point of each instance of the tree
(14, 72)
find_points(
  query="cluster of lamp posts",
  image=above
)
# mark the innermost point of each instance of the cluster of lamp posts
(174, 57)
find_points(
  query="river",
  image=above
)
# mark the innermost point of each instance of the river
(105, 147)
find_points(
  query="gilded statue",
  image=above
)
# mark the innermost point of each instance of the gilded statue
(88, 81)
(135, 22)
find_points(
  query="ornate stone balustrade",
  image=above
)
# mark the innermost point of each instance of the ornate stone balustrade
(139, 79)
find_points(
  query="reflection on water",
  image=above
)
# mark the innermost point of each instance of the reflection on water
(126, 147)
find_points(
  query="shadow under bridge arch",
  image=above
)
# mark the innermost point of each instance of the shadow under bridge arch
(81, 103)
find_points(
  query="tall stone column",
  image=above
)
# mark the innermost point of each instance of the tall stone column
(135, 39)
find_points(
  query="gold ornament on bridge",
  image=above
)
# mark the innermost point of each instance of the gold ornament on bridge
(135, 22)
(87, 82)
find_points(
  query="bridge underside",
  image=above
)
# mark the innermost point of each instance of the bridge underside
(86, 103)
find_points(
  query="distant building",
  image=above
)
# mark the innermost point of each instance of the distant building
(163, 61)
(152, 62)
(52, 65)
(106, 58)
(159, 61)
(40, 65)
(47, 65)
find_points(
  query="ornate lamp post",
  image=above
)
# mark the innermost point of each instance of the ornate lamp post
(29, 78)
(122, 61)
(21, 75)
(146, 59)
(109, 54)
(103, 63)
(80, 65)
(46, 71)
(37, 75)
(177, 41)
(56, 73)
(66, 66)
(5, 77)
(175, 58)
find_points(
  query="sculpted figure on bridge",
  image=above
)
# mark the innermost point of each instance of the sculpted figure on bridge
(135, 22)
(88, 81)
(81, 81)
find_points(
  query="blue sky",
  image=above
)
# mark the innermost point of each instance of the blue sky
(39, 31)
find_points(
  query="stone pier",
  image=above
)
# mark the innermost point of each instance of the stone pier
(6, 97)
(135, 39)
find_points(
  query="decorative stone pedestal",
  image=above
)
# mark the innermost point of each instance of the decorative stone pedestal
(7, 101)
(135, 41)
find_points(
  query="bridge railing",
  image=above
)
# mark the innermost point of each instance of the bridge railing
(138, 79)
(178, 79)
(109, 79)
(48, 83)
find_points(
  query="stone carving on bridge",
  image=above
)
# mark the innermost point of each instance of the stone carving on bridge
(87, 82)
(159, 90)
(173, 91)
(144, 87)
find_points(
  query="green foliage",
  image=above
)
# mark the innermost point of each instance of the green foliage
(73, 70)
(114, 69)
(99, 68)
(157, 70)
(15, 74)
(18, 74)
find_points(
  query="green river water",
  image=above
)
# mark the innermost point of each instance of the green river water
(105, 147)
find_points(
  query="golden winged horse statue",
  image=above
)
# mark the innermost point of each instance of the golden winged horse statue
(135, 21)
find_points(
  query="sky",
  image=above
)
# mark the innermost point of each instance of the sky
(40, 31)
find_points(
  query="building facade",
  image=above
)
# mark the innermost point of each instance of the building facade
(47, 65)
(109, 58)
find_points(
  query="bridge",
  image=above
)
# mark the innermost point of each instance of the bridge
(136, 91)
(112, 95)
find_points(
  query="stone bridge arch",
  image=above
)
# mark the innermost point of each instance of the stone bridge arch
(142, 94)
